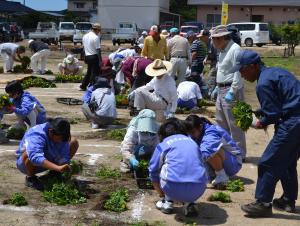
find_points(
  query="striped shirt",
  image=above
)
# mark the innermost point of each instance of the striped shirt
(199, 47)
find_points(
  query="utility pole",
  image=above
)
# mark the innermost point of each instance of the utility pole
(24, 2)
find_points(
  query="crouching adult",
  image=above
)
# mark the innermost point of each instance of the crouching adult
(140, 140)
(70, 66)
(45, 147)
(101, 109)
(27, 108)
(160, 94)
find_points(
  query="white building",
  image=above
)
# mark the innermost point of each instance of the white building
(142, 12)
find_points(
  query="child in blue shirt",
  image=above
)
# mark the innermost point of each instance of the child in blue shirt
(176, 169)
(44, 147)
(217, 149)
(27, 108)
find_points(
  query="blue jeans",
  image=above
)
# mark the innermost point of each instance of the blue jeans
(279, 162)
(189, 104)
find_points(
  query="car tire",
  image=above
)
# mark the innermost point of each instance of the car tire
(249, 42)
(119, 43)
(259, 45)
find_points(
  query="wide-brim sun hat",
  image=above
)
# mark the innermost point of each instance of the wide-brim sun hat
(219, 31)
(158, 67)
(145, 121)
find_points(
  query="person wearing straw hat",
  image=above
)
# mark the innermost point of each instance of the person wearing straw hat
(140, 140)
(41, 53)
(93, 59)
(230, 85)
(160, 93)
(70, 66)
(180, 56)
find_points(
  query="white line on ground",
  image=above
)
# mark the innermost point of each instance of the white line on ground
(93, 157)
(101, 145)
(3, 151)
(137, 205)
(15, 208)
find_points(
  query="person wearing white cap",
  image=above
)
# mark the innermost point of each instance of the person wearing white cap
(142, 38)
(70, 66)
(160, 94)
(231, 87)
(180, 56)
(155, 45)
(41, 53)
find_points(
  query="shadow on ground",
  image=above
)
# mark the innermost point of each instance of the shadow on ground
(208, 214)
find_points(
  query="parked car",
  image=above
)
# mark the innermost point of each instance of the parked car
(252, 33)
(185, 29)
(46, 32)
(81, 28)
(194, 23)
(126, 32)
(66, 31)
(235, 35)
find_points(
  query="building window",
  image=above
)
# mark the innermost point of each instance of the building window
(79, 5)
(95, 5)
(213, 20)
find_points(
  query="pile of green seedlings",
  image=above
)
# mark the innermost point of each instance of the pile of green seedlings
(4, 101)
(37, 82)
(122, 100)
(63, 191)
(24, 66)
(115, 134)
(220, 196)
(242, 113)
(117, 201)
(105, 172)
(16, 133)
(68, 78)
(235, 186)
(17, 199)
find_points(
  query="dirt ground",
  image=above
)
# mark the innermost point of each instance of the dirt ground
(95, 151)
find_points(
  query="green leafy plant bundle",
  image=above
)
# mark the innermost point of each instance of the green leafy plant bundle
(107, 172)
(117, 201)
(37, 82)
(15, 132)
(68, 78)
(116, 134)
(235, 186)
(4, 101)
(242, 113)
(220, 196)
(25, 62)
(121, 100)
(18, 199)
(76, 167)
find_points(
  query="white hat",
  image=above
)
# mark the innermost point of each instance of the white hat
(69, 59)
(164, 32)
(219, 31)
(30, 41)
(144, 33)
(158, 68)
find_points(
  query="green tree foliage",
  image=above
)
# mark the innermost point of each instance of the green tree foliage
(188, 12)
(291, 36)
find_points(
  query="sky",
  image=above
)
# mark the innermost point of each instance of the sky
(49, 5)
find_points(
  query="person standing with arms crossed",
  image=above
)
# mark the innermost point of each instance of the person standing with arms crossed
(93, 59)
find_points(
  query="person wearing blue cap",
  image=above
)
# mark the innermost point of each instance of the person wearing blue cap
(278, 92)
(179, 50)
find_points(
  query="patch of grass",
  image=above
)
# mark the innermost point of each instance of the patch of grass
(290, 64)
(116, 134)
(220, 196)
(18, 199)
(235, 186)
(117, 201)
(63, 194)
(106, 172)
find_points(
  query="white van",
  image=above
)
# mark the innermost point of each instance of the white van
(252, 33)
(66, 31)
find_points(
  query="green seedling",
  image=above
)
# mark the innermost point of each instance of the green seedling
(76, 167)
(37, 82)
(235, 186)
(48, 72)
(106, 172)
(116, 134)
(121, 100)
(15, 132)
(17, 199)
(117, 201)
(25, 62)
(220, 196)
(242, 113)
(68, 78)
(63, 194)
(4, 101)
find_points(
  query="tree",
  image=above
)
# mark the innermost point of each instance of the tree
(291, 36)
(181, 7)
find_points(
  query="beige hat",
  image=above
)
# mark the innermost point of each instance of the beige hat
(96, 26)
(69, 59)
(164, 32)
(158, 68)
(219, 31)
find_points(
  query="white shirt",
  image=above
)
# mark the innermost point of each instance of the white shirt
(188, 90)
(8, 48)
(227, 60)
(165, 87)
(91, 43)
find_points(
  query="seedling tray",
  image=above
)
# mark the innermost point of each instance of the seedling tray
(69, 101)
(142, 182)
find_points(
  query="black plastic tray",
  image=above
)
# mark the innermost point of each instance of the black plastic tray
(69, 101)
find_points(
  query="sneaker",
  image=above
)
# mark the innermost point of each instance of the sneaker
(159, 204)
(34, 182)
(257, 209)
(95, 126)
(189, 210)
(220, 179)
(285, 205)
(167, 207)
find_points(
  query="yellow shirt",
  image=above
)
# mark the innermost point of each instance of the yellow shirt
(154, 50)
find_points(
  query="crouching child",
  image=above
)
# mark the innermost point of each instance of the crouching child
(45, 147)
(176, 168)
